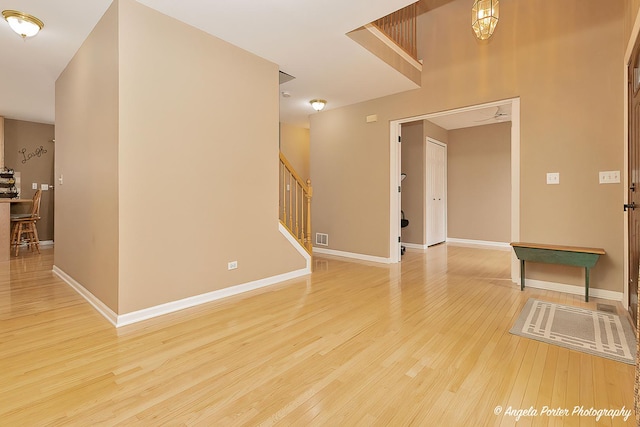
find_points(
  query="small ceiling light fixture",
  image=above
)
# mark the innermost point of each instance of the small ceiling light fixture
(318, 104)
(484, 17)
(23, 23)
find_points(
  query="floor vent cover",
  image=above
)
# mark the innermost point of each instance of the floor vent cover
(322, 239)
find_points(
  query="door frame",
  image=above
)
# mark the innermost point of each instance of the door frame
(394, 178)
(635, 32)
(426, 183)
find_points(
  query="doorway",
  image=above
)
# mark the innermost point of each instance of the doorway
(631, 261)
(394, 180)
(633, 179)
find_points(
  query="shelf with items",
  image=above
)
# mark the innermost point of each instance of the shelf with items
(8, 188)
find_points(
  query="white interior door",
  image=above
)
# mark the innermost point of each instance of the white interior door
(436, 197)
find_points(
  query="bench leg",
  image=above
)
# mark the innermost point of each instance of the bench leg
(522, 275)
(586, 284)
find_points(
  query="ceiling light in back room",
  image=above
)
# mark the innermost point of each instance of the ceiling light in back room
(22, 23)
(318, 104)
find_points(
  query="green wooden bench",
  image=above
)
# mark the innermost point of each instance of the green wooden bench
(555, 254)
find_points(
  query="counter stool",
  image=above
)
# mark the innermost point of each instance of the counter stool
(24, 226)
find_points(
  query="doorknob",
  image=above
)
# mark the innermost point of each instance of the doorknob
(630, 206)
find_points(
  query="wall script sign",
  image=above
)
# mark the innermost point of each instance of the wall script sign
(28, 156)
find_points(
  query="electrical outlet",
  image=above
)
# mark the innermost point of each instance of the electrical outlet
(44, 187)
(553, 178)
(34, 185)
(232, 265)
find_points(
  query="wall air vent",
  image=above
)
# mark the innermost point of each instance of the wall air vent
(322, 239)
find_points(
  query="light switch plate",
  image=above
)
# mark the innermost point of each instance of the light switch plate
(610, 177)
(553, 178)
(44, 187)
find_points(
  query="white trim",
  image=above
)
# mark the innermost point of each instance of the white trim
(394, 199)
(385, 39)
(361, 257)
(573, 289)
(296, 245)
(170, 307)
(480, 243)
(394, 182)
(515, 185)
(41, 243)
(414, 246)
(101, 307)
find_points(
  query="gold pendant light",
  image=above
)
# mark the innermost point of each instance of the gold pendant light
(484, 17)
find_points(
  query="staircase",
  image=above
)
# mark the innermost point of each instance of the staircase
(295, 204)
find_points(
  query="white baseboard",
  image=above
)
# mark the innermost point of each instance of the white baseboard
(480, 243)
(414, 246)
(41, 243)
(101, 307)
(119, 320)
(572, 289)
(296, 245)
(352, 255)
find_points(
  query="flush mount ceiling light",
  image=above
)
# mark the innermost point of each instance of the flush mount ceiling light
(484, 17)
(318, 104)
(22, 23)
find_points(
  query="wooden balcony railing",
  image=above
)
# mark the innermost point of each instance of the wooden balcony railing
(295, 204)
(400, 26)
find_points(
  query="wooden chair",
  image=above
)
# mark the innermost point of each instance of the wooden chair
(24, 226)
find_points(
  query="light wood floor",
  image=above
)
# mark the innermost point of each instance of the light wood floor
(423, 343)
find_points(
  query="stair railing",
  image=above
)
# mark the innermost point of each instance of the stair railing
(400, 26)
(295, 204)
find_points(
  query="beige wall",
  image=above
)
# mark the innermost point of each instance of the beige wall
(413, 164)
(631, 11)
(29, 150)
(350, 169)
(414, 136)
(479, 183)
(165, 164)
(567, 70)
(432, 130)
(86, 208)
(1, 141)
(294, 144)
(479, 180)
(198, 187)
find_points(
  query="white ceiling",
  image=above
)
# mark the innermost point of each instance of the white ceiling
(473, 116)
(306, 39)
